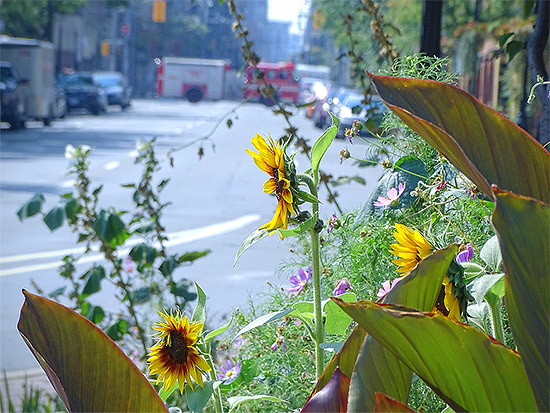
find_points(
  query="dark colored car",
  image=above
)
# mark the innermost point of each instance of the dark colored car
(352, 109)
(331, 103)
(116, 86)
(82, 92)
(12, 96)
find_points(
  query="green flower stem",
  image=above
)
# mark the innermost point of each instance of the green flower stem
(498, 331)
(319, 327)
(217, 395)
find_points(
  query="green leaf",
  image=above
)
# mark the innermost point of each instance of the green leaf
(109, 227)
(490, 253)
(192, 256)
(70, 205)
(337, 321)
(321, 145)
(377, 369)
(391, 179)
(149, 226)
(95, 314)
(480, 286)
(521, 225)
(87, 370)
(266, 318)
(163, 394)
(306, 196)
(141, 295)
(199, 315)
(217, 331)
(143, 255)
(93, 281)
(234, 402)
(249, 241)
(513, 48)
(199, 396)
(469, 369)
(31, 207)
(483, 144)
(55, 217)
(168, 265)
(119, 328)
(181, 289)
(300, 229)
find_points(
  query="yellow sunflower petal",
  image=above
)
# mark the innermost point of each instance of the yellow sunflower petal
(270, 186)
(451, 303)
(260, 162)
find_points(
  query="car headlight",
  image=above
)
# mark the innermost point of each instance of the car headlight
(345, 112)
(326, 106)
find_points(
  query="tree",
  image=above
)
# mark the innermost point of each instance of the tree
(34, 18)
(431, 27)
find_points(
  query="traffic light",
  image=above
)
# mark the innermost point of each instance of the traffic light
(159, 11)
(105, 48)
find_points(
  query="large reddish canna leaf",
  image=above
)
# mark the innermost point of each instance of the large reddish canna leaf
(484, 145)
(86, 368)
(372, 368)
(522, 226)
(332, 398)
(377, 369)
(385, 404)
(469, 369)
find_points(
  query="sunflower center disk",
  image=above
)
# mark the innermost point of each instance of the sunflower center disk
(178, 350)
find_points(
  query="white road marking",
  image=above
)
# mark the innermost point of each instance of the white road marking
(111, 165)
(175, 238)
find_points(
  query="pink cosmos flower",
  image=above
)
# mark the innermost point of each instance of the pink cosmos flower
(387, 286)
(229, 372)
(299, 283)
(279, 342)
(341, 287)
(392, 196)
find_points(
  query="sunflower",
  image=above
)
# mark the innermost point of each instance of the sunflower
(270, 159)
(447, 304)
(175, 356)
(411, 248)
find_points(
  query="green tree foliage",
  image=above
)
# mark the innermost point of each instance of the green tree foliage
(31, 18)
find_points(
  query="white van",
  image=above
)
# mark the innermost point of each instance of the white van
(34, 62)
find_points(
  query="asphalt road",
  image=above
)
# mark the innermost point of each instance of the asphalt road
(217, 201)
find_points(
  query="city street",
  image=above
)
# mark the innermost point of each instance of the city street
(217, 201)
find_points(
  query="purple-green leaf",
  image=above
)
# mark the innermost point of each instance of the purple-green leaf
(384, 372)
(377, 369)
(385, 404)
(332, 398)
(522, 226)
(469, 369)
(484, 145)
(86, 368)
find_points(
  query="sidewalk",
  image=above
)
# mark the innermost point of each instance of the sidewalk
(35, 379)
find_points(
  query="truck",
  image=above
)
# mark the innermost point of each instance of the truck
(34, 62)
(281, 76)
(192, 79)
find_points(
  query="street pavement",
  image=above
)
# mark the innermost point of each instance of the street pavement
(217, 201)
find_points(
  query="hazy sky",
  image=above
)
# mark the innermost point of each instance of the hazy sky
(287, 10)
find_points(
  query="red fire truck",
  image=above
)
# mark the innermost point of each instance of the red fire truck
(282, 76)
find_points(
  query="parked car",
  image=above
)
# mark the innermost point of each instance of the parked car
(312, 89)
(60, 103)
(321, 119)
(13, 97)
(352, 109)
(116, 86)
(82, 92)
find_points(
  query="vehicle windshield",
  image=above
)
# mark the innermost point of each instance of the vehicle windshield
(108, 80)
(6, 74)
(76, 80)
